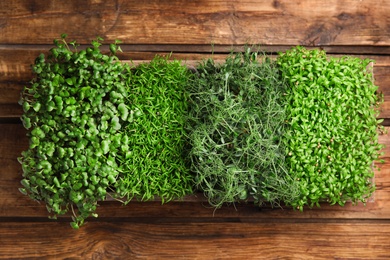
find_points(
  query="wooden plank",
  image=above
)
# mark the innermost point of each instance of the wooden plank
(10, 112)
(128, 240)
(13, 204)
(15, 73)
(278, 22)
(15, 65)
(16, 61)
(209, 48)
(383, 81)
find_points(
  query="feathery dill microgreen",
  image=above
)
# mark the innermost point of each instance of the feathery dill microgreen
(152, 161)
(332, 138)
(236, 120)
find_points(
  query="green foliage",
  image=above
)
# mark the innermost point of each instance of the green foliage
(236, 121)
(332, 138)
(72, 110)
(300, 130)
(156, 107)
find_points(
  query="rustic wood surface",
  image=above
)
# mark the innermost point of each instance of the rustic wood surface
(277, 22)
(190, 229)
(16, 73)
(202, 240)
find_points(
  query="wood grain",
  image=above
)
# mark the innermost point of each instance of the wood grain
(16, 61)
(15, 73)
(128, 240)
(189, 229)
(278, 22)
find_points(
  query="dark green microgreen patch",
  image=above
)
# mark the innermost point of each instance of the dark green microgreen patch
(236, 122)
(74, 111)
(152, 159)
(332, 135)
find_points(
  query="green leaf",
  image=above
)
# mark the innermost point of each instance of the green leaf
(69, 81)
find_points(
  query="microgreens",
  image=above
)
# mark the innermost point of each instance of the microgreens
(156, 106)
(236, 121)
(73, 112)
(297, 131)
(332, 137)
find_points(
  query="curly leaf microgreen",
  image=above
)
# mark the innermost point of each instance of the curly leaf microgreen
(331, 138)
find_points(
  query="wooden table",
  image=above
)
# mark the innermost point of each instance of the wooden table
(193, 30)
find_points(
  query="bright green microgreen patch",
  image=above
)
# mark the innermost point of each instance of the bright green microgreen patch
(73, 110)
(332, 135)
(236, 122)
(156, 104)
